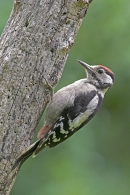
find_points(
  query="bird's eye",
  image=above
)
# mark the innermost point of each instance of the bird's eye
(100, 71)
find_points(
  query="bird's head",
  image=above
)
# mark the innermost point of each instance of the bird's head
(98, 75)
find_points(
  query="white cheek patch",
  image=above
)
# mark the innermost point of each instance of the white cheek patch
(108, 80)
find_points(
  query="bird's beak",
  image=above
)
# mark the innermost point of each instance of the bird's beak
(87, 67)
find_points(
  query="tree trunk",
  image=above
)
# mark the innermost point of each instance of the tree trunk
(33, 50)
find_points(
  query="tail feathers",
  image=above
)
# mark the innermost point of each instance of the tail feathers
(26, 154)
(40, 147)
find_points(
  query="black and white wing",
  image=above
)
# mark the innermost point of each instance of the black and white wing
(73, 118)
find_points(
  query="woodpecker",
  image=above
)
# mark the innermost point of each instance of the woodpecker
(71, 108)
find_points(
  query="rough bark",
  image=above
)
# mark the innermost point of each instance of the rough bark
(33, 49)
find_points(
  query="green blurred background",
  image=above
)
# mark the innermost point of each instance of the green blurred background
(96, 160)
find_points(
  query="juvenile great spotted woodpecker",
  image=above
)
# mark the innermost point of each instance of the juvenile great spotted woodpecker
(71, 108)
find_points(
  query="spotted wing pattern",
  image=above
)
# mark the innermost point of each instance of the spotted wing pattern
(66, 125)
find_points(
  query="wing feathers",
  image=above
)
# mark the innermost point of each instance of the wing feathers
(80, 104)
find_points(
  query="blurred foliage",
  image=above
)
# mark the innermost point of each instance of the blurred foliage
(96, 160)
